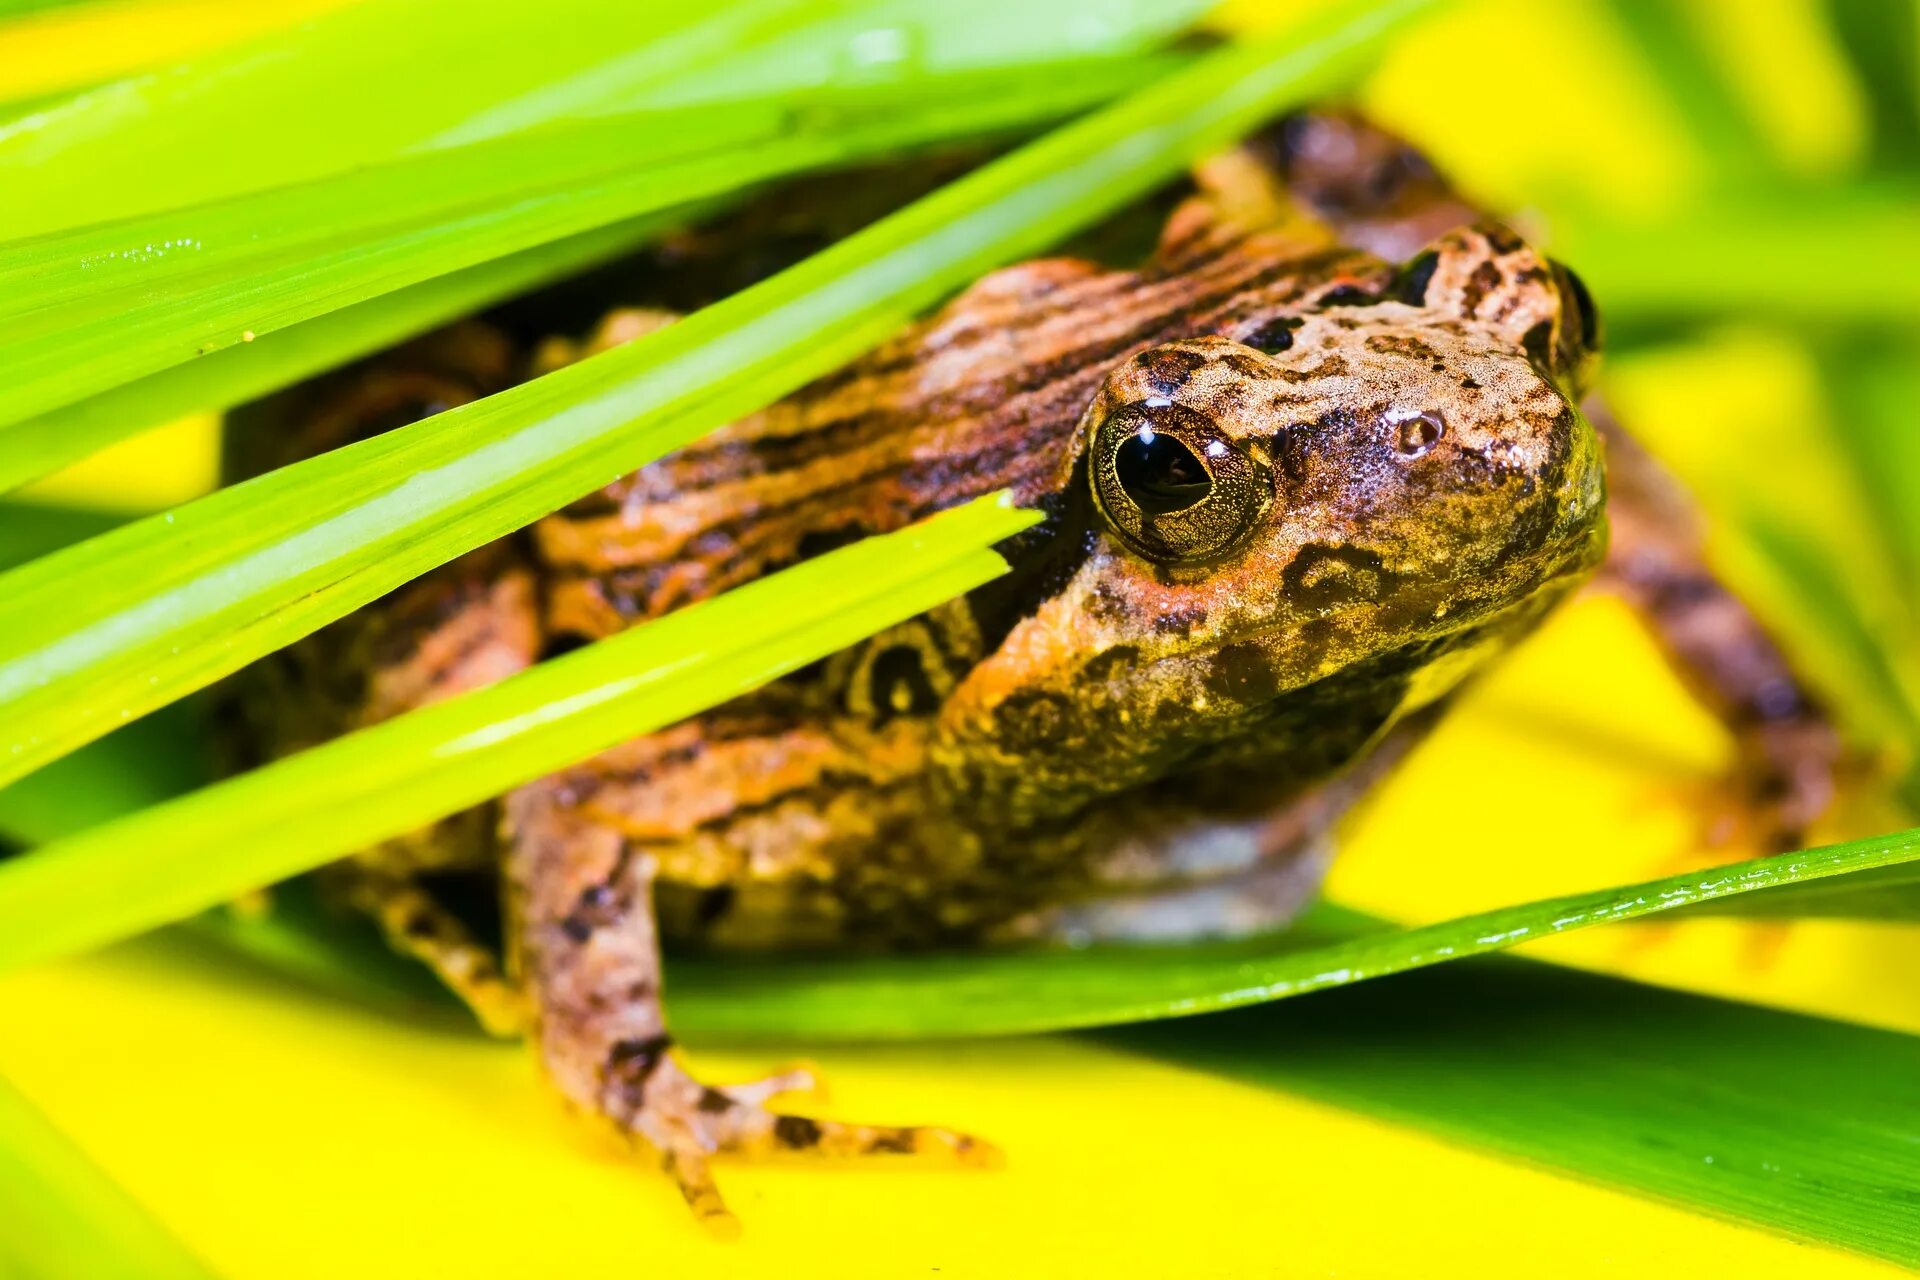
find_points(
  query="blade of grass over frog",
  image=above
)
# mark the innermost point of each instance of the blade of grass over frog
(895, 41)
(1016, 992)
(167, 139)
(163, 133)
(100, 633)
(46, 280)
(224, 277)
(65, 1217)
(43, 444)
(1797, 1125)
(165, 863)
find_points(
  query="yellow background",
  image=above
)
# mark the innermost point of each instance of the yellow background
(286, 1134)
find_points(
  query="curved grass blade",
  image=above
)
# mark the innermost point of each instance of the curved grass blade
(100, 633)
(84, 312)
(885, 998)
(165, 863)
(168, 138)
(1797, 1125)
(43, 444)
(65, 1217)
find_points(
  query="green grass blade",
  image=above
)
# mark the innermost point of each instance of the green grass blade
(234, 375)
(1797, 1125)
(166, 863)
(170, 138)
(86, 311)
(880, 998)
(64, 1217)
(100, 633)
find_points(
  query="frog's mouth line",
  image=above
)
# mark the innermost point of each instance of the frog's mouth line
(1413, 615)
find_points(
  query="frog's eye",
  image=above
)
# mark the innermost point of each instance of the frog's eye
(1172, 486)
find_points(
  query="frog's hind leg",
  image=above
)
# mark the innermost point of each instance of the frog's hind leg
(416, 923)
(1789, 758)
(587, 947)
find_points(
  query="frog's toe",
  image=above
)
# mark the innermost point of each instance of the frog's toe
(687, 1122)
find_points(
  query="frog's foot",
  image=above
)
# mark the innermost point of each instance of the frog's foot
(685, 1122)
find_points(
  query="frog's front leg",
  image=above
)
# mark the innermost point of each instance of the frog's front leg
(586, 946)
(1788, 753)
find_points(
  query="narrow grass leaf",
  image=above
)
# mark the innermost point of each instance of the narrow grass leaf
(43, 444)
(66, 1218)
(165, 863)
(1796, 1125)
(89, 310)
(100, 633)
(1005, 993)
(171, 137)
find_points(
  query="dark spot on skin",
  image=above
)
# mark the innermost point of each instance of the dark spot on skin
(1245, 365)
(893, 1144)
(1325, 577)
(421, 926)
(1273, 336)
(1410, 283)
(1469, 384)
(1034, 720)
(577, 929)
(1347, 295)
(1169, 368)
(714, 1102)
(630, 1063)
(1242, 673)
(796, 1133)
(1485, 279)
(1501, 238)
(1404, 345)
(899, 685)
(641, 990)
(1180, 621)
(1103, 665)
(1331, 367)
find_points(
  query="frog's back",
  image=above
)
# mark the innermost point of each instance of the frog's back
(1136, 705)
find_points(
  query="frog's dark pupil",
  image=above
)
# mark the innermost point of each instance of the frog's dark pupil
(1159, 473)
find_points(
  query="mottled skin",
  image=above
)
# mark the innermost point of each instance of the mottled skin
(1295, 494)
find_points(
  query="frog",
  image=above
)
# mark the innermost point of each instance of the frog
(1317, 460)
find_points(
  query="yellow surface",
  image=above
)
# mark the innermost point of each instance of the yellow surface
(288, 1135)
(169, 464)
(85, 44)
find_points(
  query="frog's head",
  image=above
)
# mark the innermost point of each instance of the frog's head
(1348, 500)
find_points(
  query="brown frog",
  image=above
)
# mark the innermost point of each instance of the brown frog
(1307, 469)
